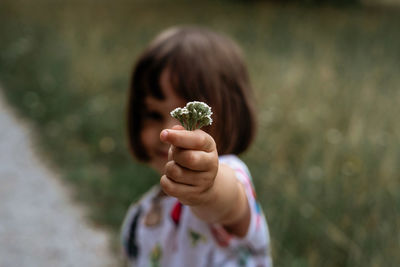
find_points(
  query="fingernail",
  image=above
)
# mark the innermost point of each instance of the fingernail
(164, 134)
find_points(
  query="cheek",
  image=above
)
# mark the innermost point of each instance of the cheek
(146, 137)
(150, 137)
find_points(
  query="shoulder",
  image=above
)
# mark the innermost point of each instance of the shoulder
(131, 220)
(233, 161)
(241, 170)
(142, 203)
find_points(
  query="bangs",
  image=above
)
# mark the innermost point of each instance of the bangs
(146, 80)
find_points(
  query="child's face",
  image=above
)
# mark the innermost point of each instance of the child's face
(157, 118)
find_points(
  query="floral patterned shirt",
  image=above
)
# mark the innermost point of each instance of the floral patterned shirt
(160, 231)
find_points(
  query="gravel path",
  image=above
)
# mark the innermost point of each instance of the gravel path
(39, 224)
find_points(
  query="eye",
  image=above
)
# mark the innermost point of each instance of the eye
(153, 115)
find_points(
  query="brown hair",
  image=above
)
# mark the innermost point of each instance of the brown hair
(203, 66)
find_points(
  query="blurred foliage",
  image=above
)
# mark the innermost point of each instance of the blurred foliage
(326, 162)
(338, 3)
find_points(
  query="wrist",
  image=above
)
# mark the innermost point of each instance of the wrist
(219, 200)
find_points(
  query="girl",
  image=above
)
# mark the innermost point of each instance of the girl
(204, 212)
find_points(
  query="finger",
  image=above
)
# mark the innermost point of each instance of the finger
(197, 140)
(195, 160)
(175, 127)
(185, 176)
(170, 152)
(187, 195)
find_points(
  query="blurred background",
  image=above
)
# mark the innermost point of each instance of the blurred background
(326, 74)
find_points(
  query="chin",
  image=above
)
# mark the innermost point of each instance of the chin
(158, 161)
(159, 166)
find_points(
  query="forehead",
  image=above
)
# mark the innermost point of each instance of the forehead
(170, 100)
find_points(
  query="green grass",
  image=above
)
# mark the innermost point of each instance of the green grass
(326, 161)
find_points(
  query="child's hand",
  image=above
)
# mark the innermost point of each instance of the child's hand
(192, 165)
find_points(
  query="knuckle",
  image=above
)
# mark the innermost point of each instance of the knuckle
(165, 184)
(167, 168)
(173, 149)
(204, 181)
(191, 157)
(203, 140)
(213, 144)
(208, 143)
(173, 170)
(176, 152)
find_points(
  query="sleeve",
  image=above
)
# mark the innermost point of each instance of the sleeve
(257, 239)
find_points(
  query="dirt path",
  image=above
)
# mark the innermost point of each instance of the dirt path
(39, 224)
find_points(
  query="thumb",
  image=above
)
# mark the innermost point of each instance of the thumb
(163, 136)
(178, 127)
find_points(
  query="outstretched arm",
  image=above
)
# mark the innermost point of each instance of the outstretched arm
(194, 175)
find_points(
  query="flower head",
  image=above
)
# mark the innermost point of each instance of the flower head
(195, 115)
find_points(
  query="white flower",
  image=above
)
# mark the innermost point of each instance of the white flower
(195, 115)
